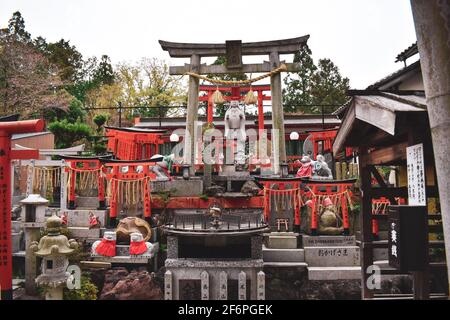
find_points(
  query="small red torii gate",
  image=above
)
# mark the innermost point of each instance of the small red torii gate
(133, 143)
(78, 164)
(136, 171)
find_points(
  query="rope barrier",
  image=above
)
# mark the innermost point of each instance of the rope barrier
(281, 68)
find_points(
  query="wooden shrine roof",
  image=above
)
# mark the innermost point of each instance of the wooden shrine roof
(377, 117)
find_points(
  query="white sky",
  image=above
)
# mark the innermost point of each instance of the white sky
(362, 37)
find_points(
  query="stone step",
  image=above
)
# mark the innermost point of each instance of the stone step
(80, 217)
(325, 241)
(84, 232)
(283, 255)
(334, 273)
(346, 256)
(19, 254)
(286, 264)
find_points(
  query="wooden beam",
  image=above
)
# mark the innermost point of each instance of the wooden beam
(387, 155)
(221, 69)
(381, 182)
(365, 223)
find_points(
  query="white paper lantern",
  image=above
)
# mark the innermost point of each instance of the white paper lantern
(174, 137)
(294, 135)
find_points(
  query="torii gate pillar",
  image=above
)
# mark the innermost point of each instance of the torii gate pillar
(278, 142)
(192, 116)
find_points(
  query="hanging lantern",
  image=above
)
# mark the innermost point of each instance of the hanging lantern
(250, 97)
(174, 137)
(294, 136)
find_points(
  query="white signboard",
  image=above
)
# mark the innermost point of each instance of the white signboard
(416, 175)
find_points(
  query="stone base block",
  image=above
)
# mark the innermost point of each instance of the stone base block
(281, 240)
(332, 256)
(84, 233)
(325, 241)
(334, 273)
(87, 202)
(181, 188)
(283, 255)
(16, 226)
(380, 254)
(80, 218)
(16, 239)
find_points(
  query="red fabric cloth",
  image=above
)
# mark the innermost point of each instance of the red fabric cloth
(138, 247)
(64, 219)
(106, 248)
(93, 221)
(305, 170)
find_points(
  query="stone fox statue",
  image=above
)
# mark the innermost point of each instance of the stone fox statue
(235, 129)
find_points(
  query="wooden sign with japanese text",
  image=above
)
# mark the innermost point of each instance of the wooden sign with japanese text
(416, 175)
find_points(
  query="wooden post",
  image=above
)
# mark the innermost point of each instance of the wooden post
(192, 115)
(365, 222)
(63, 186)
(204, 278)
(168, 285)
(277, 113)
(242, 286)
(223, 286)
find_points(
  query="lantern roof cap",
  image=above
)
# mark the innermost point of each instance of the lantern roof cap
(54, 243)
(34, 199)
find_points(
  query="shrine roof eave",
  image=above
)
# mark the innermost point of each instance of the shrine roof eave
(103, 157)
(185, 50)
(376, 113)
(136, 130)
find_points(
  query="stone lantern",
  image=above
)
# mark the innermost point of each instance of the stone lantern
(33, 218)
(53, 249)
(33, 209)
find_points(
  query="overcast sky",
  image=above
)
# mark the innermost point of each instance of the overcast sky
(362, 37)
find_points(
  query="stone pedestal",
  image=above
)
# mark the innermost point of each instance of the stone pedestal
(54, 293)
(281, 240)
(32, 233)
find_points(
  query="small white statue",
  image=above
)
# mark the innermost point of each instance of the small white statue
(139, 247)
(163, 166)
(235, 129)
(105, 247)
(321, 168)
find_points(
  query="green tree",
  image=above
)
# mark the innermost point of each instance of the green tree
(314, 85)
(99, 141)
(297, 89)
(104, 74)
(16, 28)
(68, 59)
(329, 87)
(67, 134)
(29, 82)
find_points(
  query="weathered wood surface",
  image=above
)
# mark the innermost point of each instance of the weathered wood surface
(185, 50)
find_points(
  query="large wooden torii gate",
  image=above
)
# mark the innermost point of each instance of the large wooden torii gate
(233, 50)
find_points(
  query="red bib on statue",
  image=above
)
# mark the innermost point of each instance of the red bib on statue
(106, 248)
(138, 247)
